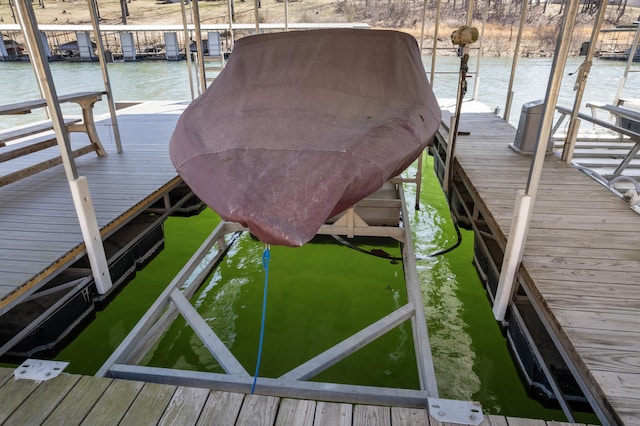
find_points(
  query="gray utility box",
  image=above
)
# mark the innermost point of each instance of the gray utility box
(525, 141)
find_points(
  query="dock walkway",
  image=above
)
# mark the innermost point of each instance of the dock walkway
(71, 399)
(581, 264)
(38, 223)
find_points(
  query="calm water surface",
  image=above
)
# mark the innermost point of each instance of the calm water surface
(320, 293)
(162, 80)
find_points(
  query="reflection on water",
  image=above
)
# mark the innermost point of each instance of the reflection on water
(450, 342)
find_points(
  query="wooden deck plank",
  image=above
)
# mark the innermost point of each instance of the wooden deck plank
(113, 404)
(553, 423)
(43, 401)
(185, 406)
(78, 402)
(627, 412)
(221, 408)
(258, 410)
(513, 421)
(401, 416)
(12, 394)
(371, 415)
(5, 374)
(333, 413)
(492, 420)
(604, 321)
(296, 412)
(149, 405)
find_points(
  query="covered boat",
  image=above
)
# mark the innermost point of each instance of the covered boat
(300, 126)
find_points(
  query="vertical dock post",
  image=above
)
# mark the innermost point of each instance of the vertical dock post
(579, 86)
(523, 209)
(78, 186)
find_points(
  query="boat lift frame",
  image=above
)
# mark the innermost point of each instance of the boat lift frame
(175, 300)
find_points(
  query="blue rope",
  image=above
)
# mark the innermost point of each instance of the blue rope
(266, 256)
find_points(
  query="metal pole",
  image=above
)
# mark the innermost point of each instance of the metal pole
(435, 42)
(424, 19)
(257, 15)
(514, 64)
(470, 12)
(419, 171)
(200, 51)
(447, 182)
(581, 81)
(476, 83)
(526, 199)
(78, 185)
(286, 15)
(632, 53)
(93, 11)
(230, 12)
(187, 44)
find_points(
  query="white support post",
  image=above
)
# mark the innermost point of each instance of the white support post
(513, 254)
(78, 185)
(435, 42)
(476, 84)
(514, 64)
(187, 47)
(286, 15)
(523, 210)
(448, 165)
(91, 233)
(580, 84)
(256, 6)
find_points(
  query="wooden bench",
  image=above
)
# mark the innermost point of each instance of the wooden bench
(24, 140)
(628, 131)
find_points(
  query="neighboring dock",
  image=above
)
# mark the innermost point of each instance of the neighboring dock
(579, 279)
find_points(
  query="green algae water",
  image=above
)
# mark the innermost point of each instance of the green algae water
(318, 295)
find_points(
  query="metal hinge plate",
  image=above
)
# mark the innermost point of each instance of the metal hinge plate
(39, 370)
(451, 411)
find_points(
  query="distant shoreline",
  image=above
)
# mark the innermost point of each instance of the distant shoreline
(538, 39)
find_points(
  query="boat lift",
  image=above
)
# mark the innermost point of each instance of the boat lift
(379, 215)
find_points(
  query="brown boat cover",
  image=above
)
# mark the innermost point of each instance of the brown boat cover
(301, 125)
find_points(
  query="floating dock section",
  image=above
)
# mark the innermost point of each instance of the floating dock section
(46, 285)
(574, 320)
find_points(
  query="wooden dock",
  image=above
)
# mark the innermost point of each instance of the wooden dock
(71, 399)
(38, 223)
(581, 266)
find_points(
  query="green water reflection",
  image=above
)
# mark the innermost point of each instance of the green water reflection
(319, 294)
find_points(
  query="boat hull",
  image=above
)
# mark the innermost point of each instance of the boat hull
(300, 126)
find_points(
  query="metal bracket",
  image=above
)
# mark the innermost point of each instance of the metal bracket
(459, 412)
(39, 370)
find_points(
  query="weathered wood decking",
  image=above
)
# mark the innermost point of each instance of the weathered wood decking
(581, 262)
(38, 222)
(71, 399)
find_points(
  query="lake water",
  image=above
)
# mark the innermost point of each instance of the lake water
(163, 80)
(322, 291)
